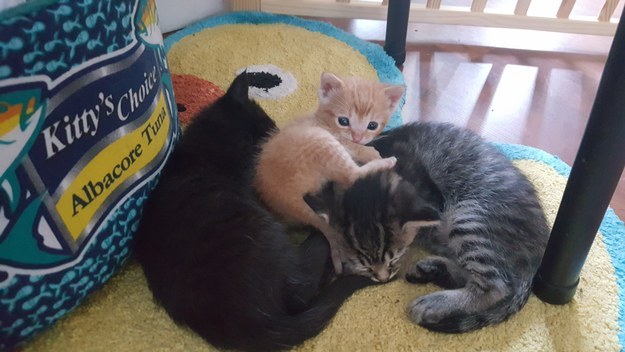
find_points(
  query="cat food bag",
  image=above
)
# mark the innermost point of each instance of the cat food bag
(87, 121)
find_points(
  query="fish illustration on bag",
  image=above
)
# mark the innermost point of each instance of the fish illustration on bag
(147, 24)
(21, 118)
(22, 113)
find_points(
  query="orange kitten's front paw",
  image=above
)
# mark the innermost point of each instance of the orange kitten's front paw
(378, 165)
(368, 154)
(390, 162)
(386, 163)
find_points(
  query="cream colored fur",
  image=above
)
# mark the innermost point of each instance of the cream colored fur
(316, 148)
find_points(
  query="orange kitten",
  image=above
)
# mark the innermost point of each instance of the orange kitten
(327, 145)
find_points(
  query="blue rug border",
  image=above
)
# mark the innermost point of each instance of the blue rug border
(612, 228)
(377, 57)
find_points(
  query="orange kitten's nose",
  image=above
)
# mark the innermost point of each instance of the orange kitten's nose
(356, 137)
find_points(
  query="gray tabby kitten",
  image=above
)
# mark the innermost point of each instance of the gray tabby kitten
(487, 246)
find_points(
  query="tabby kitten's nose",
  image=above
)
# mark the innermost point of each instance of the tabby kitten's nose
(356, 137)
(382, 276)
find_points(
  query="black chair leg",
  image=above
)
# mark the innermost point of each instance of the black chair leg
(396, 30)
(594, 177)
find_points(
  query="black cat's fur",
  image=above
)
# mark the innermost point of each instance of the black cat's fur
(215, 258)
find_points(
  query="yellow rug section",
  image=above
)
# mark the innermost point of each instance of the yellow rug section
(123, 317)
(257, 45)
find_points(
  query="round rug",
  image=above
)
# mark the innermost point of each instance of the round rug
(285, 55)
(123, 316)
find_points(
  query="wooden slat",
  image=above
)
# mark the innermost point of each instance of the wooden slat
(347, 1)
(446, 15)
(566, 6)
(608, 10)
(478, 5)
(521, 7)
(433, 4)
(245, 5)
(316, 8)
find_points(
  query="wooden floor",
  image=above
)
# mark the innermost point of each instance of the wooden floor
(525, 87)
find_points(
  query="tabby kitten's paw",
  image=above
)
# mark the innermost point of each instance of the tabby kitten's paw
(434, 269)
(336, 261)
(425, 271)
(437, 311)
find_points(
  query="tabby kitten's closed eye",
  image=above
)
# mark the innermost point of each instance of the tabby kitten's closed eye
(389, 204)
(492, 232)
(326, 145)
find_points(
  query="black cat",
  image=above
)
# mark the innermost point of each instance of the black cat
(215, 258)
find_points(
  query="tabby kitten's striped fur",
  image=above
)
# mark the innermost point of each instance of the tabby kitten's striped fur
(492, 231)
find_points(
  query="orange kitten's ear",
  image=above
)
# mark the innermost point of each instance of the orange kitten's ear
(329, 82)
(394, 94)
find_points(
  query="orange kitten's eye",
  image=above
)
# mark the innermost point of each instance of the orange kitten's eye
(372, 126)
(343, 121)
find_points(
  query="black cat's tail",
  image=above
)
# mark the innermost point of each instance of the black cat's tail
(288, 331)
(271, 331)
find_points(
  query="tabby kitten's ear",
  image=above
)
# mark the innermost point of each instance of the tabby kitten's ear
(239, 88)
(329, 82)
(320, 203)
(394, 94)
(413, 212)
